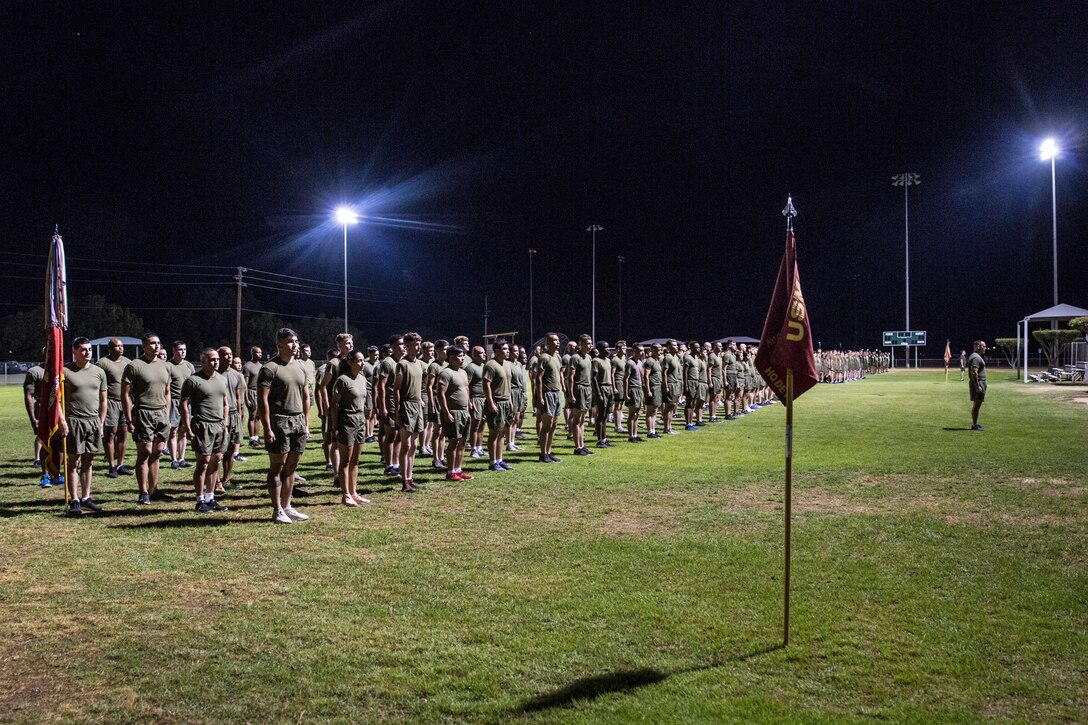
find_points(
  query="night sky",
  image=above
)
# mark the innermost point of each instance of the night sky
(223, 134)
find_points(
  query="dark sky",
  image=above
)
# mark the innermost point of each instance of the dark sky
(224, 134)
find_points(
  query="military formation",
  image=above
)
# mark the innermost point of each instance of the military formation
(415, 399)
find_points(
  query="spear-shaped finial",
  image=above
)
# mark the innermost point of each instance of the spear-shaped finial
(789, 212)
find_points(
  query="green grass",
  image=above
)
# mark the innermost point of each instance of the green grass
(939, 575)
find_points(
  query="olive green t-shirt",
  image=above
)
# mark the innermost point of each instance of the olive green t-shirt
(618, 363)
(714, 363)
(179, 373)
(33, 380)
(286, 383)
(475, 375)
(602, 372)
(207, 395)
(654, 366)
(251, 371)
(633, 375)
(411, 384)
(236, 388)
(550, 368)
(974, 361)
(148, 383)
(673, 372)
(730, 362)
(456, 384)
(115, 370)
(352, 393)
(83, 390)
(497, 374)
(387, 374)
(583, 369)
(517, 375)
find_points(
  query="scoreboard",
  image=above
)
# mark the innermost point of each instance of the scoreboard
(905, 338)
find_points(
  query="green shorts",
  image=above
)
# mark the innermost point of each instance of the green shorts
(671, 393)
(459, 427)
(503, 417)
(289, 430)
(715, 390)
(115, 414)
(553, 404)
(150, 425)
(731, 381)
(234, 428)
(517, 398)
(209, 439)
(351, 429)
(604, 398)
(251, 400)
(411, 416)
(635, 398)
(476, 407)
(175, 413)
(583, 395)
(84, 435)
(654, 399)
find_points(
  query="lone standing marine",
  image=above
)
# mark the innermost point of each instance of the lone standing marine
(976, 366)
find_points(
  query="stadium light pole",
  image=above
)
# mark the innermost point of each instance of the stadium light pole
(1047, 152)
(344, 216)
(906, 181)
(621, 259)
(532, 338)
(593, 229)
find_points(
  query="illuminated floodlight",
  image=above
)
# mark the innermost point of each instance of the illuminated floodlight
(1048, 150)
(346, 215)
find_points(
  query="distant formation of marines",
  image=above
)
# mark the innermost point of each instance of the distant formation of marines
(411, 397)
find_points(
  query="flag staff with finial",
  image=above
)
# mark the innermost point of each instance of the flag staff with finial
(789, 212)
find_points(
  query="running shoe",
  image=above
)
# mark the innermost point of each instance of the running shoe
(88, 503)
(295, 515)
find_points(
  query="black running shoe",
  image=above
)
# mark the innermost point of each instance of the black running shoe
(216, 506)
(161, 496)
(73, 508)
(204, 507)
(144, 498)
(88, 503)
(552, 458)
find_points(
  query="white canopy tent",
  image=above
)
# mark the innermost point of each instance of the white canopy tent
(103, 341)
(1057, 313)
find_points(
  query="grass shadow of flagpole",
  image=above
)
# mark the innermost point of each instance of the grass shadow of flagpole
(590, 688)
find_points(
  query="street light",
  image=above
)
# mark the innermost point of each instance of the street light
(620, 259)
(593, 229)
(1047, 152)
(906, 181)
(346, 215)
(532, 338)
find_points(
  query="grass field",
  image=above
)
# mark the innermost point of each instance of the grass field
(939, 575)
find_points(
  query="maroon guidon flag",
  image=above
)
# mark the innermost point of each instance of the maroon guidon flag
(51, 395)
(786, 342)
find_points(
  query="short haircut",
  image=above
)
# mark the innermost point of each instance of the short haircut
(176, 344)
(694, 345)
(637, 346)
(76, 342)
(386, 349)
(372, 348)
(585, 338)
(602, 347)
(225, 350)
(331, 353)
(395, 339)
(412, 337)
(621, 343)
(344, 337)
(146, 337)
(207, 351)
(455, 350)
(441, 344)
(655, 346)
(428, 345)
(461, 340)
(285, 333)
(497, 345)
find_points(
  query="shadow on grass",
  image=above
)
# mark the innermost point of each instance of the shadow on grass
(190, 522)
(955, 429)
(590, 688)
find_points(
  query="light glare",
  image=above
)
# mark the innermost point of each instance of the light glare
(1048, 150)
(346, 215)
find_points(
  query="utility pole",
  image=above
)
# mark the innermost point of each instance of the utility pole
(621, 259)
(532, 338)
(238, 313)
(593, 229)
(906, 181)
(485, 317)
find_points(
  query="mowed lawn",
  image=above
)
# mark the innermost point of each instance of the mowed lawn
(939, 575)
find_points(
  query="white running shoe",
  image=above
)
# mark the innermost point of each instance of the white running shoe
(281, 517)
(295, 515)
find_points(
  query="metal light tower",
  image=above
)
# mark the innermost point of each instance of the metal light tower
(532, 338)
(346, 215)
(621, 259)
(906, 181)
(1047, 152)
(593, 229)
